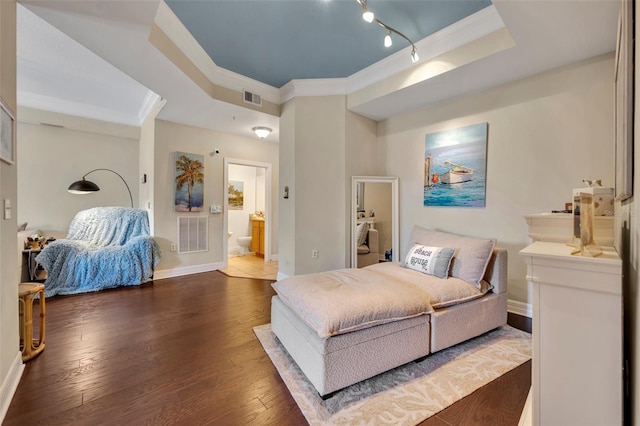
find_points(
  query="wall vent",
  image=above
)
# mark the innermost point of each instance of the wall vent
(252, 98)
(193, 234)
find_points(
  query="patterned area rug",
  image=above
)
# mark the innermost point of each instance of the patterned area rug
(408, 394)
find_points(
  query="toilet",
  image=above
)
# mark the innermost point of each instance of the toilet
(244, 243)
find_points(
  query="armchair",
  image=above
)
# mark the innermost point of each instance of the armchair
(368, 252)
(106, 247)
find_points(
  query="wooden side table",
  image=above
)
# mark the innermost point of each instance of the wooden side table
(27, 294)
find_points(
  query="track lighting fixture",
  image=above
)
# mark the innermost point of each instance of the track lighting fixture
(368, 16)
(414, 55)
(387, 40)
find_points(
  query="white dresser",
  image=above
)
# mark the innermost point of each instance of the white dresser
(577, 335)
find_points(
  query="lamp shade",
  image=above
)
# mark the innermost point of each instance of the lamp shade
(83, 187)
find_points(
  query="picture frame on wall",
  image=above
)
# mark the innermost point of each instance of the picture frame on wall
(189, 182)
(455, 167)
(623, 105)
(7, 134)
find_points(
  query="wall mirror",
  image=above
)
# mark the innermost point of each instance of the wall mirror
(374, 205)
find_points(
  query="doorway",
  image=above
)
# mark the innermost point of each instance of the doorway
(247, 199)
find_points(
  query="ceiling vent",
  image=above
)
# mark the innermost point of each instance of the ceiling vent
(252, 98)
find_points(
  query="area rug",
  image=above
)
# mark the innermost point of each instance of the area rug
(408, 394)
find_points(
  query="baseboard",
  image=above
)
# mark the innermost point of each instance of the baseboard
(10, 384)
(186, 270)
(281, 276)
(519, 308)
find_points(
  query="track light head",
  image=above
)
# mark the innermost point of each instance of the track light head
(368, 16)
(414, 55)
(387, 40)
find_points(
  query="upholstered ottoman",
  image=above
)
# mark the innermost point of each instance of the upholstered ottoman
(332, 363)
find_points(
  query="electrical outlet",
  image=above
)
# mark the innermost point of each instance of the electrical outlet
(173, 247)
(314, 254)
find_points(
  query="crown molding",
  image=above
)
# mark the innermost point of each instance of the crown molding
(169, 23)
(80, 109)
(313, 87)
(148, 104)
(471, 28)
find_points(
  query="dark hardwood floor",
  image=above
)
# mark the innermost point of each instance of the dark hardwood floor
(182, 351)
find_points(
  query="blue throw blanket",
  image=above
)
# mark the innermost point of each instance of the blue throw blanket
(106, 247)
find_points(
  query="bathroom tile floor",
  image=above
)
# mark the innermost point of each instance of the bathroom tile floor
(251, 266)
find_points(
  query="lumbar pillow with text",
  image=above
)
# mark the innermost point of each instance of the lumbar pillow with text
(430, 260)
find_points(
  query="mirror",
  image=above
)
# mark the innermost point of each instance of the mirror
(379, 211)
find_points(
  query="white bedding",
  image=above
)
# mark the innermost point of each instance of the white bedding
(336, 302)
(344, 300)
(441, 292)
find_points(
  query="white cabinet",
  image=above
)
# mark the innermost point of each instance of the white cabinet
(577, 335)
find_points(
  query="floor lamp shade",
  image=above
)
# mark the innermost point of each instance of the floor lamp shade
(83, 187)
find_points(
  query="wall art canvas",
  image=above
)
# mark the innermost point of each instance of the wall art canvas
(236, 195)
(455, 163)
(189, 178)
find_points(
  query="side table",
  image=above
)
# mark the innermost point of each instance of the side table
(27, 293)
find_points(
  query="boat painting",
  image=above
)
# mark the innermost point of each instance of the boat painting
(455, 167)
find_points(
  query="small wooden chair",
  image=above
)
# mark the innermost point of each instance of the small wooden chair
(27, 294)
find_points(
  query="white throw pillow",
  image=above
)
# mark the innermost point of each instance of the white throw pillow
(472, 254)
(430, 260)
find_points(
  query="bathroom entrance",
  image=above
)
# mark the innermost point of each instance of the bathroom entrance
(247, 210)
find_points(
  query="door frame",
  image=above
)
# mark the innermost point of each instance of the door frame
(268, 210)
(395, 229)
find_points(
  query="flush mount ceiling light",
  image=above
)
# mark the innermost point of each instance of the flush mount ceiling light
(261, 132)
(368, 16)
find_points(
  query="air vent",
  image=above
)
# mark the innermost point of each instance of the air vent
(193, 234)
(252, 98)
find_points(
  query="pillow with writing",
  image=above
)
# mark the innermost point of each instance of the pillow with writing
(430, 260)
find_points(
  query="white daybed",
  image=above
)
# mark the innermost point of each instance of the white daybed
(345, 326)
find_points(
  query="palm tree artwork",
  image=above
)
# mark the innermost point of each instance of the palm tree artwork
(189, 182)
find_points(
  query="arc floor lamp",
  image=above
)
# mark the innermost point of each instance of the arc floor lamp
(86, 186)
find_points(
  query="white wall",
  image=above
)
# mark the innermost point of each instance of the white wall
(172, 137)
(11, 366)
(546, 134)
(146, 161)
(312, 155)
(52, 158)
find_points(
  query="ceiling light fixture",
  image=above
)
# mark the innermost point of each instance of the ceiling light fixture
(262, 132)
(387, 40)
(368, 16)
(414, 55)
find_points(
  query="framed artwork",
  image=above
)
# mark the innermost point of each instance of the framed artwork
(455, 167)
(236, 195)
(189, 179)
(7, 134)
(623, 106)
